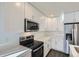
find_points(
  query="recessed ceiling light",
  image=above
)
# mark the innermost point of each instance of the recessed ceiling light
(18, 4)
(51, 15)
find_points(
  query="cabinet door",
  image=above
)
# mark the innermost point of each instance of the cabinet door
(39, 18)
(69, 18)
(53, 41)
(28, 11)
(60, 25)
(52, 24)
(36, 14)
(59, 42)
(43, 24)
(49, 44)
(77, 16)
(46, 47)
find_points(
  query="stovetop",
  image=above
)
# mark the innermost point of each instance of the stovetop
(34, 44)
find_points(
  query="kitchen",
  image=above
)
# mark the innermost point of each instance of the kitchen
(26, 21)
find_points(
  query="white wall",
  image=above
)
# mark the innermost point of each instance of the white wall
(11, 23)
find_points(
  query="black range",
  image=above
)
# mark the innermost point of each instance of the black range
(36, 46)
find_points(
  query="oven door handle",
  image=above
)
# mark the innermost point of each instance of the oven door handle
(37, 48)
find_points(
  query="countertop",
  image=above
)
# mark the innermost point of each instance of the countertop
(12, 50)
(43, 39)
(73, 52)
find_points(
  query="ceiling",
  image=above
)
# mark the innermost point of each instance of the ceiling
(52, 9)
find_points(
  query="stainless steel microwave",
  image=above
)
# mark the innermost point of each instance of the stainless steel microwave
(30, 25)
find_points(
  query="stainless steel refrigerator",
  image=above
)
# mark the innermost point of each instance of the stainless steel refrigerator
(71, 31)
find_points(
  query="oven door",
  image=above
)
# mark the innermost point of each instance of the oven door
(39, 52)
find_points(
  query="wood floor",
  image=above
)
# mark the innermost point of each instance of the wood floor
(54, 53)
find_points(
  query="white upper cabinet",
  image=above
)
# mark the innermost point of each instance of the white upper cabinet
(28, 10)
(13, 15)
(35, 14)
(60, 24)
(55, 24)
(77, 16)
(69, 17)
(52, 24)
(39, 18)
(43, 24)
